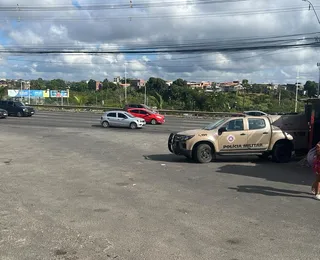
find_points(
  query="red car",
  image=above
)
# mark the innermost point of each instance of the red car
(149, 116)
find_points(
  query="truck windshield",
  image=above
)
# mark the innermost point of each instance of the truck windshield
(19, 104)
(215, 124)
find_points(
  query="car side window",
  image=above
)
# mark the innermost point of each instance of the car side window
(234, 125)
(256, 123)
(135, 111)
(111, 115)
(120, 115)
(143, 112)
(10, 104)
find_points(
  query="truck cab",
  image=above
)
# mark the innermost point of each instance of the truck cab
(244, 135)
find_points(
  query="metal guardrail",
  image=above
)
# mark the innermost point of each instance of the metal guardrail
(163, 111)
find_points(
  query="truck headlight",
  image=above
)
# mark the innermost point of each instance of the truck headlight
(186, 137)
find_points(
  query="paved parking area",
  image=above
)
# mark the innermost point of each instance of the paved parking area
(75, 193)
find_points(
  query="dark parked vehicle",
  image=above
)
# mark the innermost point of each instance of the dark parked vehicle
(128, 106)
(3, 113)
(16, 108)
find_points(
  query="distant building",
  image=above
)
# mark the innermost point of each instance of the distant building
(117, 80)
(169, 82)
(232, 86)
(124, 85)
(199, 85)
(137, 83)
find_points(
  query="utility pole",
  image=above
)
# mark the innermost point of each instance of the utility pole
(145, 94)
(279, 96)
(29, 101)
(296, 101)
(318, 92)
(125, 82)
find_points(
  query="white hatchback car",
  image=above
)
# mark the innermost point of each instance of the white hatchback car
(121, 119)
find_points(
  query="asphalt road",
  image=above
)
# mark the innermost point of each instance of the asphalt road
(90, 120)
(83, 193)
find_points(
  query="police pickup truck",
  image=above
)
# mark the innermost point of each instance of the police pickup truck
(244, 135)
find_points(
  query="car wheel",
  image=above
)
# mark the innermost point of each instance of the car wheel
(133, 125)
(105, 124)
(153, 122)
(19, 114)
(203, 153)
(281, 153)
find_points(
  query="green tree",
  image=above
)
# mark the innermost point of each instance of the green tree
(311, 88)
(105, 83)
(92, 85)
(56, 84)
(81, 86)
(180, 82)
(156, 85)
(3, 92)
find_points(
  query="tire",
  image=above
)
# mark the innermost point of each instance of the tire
(281, 153)
(153, 122)
(203, 153)
(19, 114)
(133, 125)
(105, 124)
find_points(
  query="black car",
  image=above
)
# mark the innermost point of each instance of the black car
(16, 108)
(127, 106)
(3, 113)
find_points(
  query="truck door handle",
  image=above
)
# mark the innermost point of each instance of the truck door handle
(243, 134)
(265, 133)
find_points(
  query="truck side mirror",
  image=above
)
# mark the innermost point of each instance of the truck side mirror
(221, 130)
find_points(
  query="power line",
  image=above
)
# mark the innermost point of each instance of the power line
(136, 5)
(188, 42)
(157, 63)
(25, 17)
(172, 49)
(237, 40)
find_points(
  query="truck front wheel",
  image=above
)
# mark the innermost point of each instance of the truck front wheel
(282, 153)
(203, 153)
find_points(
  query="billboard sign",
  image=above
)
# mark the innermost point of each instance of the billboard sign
(25, 93)
(16, 93)
(59, 93)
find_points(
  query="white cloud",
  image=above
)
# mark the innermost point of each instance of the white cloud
(175, 22)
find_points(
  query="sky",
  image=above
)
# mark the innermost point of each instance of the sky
(101, 25)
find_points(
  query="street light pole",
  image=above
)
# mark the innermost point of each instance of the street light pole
(125, 83)
(29, 95)
(314, 10)
(318, 64)
(21, 91)
(296, 101)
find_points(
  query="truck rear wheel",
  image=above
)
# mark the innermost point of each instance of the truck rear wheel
(282, 153)
(203, 153)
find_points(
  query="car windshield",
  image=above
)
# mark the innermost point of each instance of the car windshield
(20, 104)
(215, 124)
(129, 115)
(150, 111)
